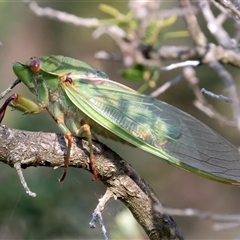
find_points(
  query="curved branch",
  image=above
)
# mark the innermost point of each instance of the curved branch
(47, 149)
(230, 6)
(136, 52)
(193, 26)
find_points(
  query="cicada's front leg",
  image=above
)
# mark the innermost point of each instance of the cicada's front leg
(69, 137)
(27, 106)
(20, 103)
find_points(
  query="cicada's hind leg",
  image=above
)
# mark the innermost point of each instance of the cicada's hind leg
(86, 130)
(83, 130)
(69, 138)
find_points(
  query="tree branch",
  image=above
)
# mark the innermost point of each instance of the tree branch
(193, 26)
(47, 149)
(228, 5)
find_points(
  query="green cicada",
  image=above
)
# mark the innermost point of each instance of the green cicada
(84, 102)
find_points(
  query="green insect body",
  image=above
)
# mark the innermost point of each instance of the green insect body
(83, 101)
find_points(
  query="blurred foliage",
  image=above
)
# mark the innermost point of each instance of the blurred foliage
(125, 21)
(62, 211)
(149, 75)
(152, 37)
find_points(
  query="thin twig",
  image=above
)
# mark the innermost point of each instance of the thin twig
(201, 102)
(97, 216)
(9, 89)
(215, 24)
(191, 77)
(167, 85)
(190, 212)
(231, 87)
(18, 168)
(224, 226)
(180, 64)
(193, 26)
(103, 55)
(226, 221)
(62, 16)
(213, 95)
(228, 5)
(177, 12)
(211, 112)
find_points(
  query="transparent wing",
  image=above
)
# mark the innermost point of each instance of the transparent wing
(158, 128)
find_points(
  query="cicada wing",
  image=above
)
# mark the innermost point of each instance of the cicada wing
(158, 128)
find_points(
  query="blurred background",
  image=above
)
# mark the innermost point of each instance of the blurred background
(63, 211)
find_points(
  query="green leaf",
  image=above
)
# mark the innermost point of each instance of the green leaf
(134, 74)
(109, 10)
(176, 34)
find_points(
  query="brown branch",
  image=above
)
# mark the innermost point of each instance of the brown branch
(228, 5)
(211, 112)
(230, 219)
(214, 25)
(62, 16)
(193, 26)
(47, 149)
(201, 103)
(184, 53)
(231, 87)
(135, 53)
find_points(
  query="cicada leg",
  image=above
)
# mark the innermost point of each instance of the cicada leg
(83, 130)
(20, 103)
(68, 137)
(27, 106)
(87, 130)
(58, 116)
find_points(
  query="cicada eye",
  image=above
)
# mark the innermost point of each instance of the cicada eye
(68, 79)
(34, 65)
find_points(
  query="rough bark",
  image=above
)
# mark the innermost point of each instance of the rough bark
(47, 149)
